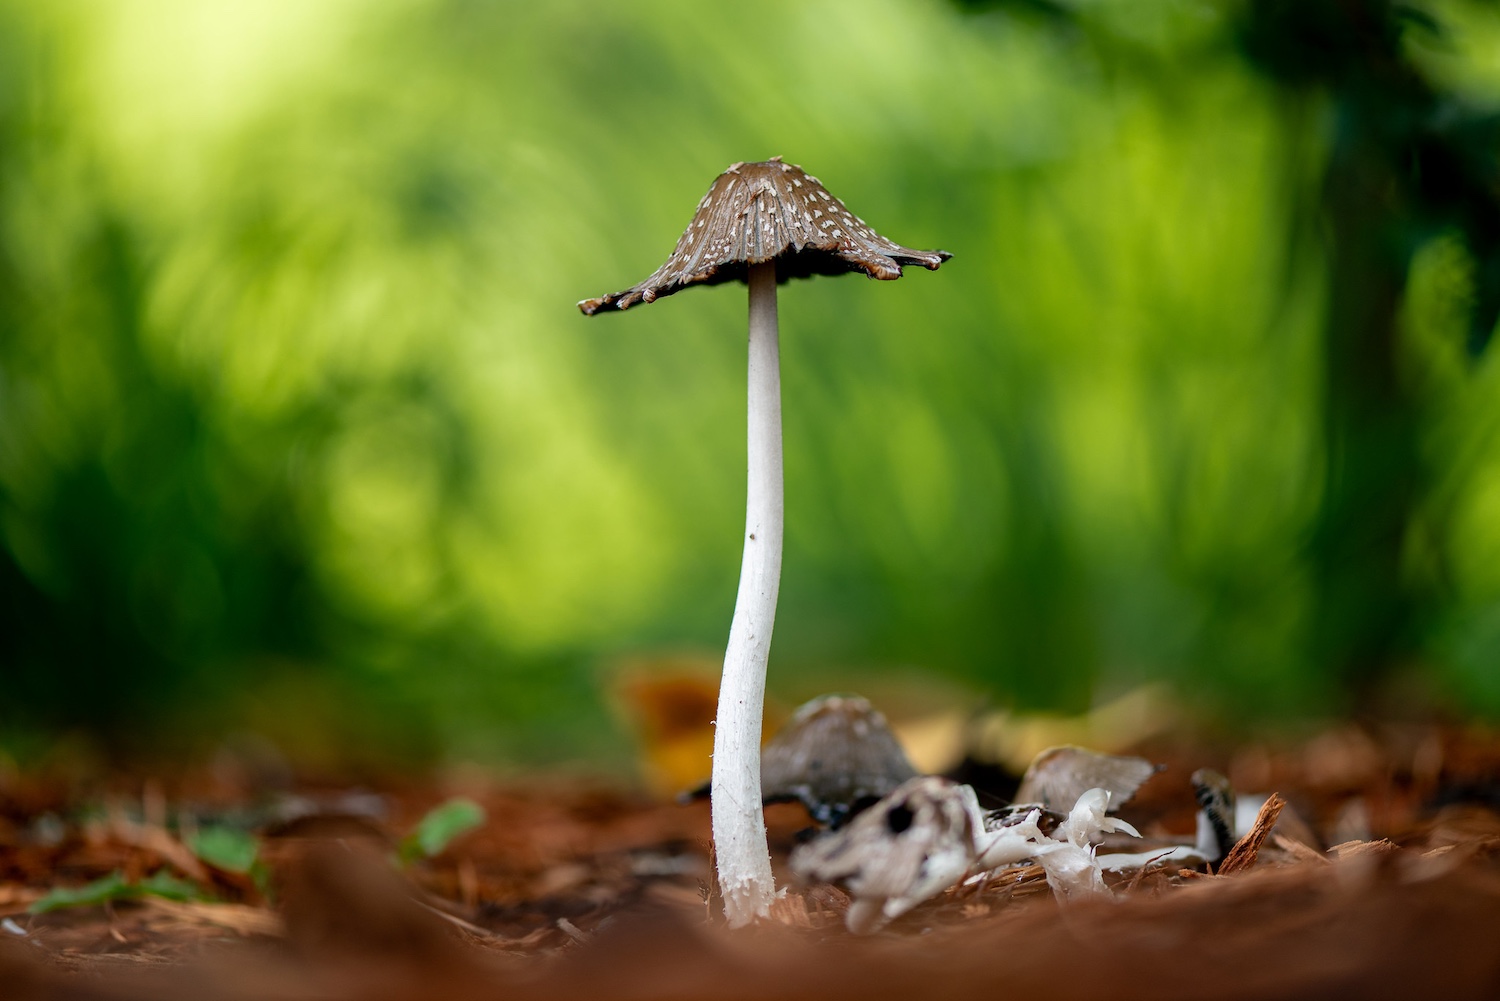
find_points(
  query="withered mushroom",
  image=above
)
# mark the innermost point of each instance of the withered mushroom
(836, 756)
(1059, 775)
(761, 223)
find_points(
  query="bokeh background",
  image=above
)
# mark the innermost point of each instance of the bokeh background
(301, 434)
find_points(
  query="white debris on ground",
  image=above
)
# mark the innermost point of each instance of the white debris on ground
(909, 847)
(930, 835)
(1067, 856)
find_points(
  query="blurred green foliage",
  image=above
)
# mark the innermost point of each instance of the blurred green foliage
(114, 887)
(300, 433)
(227, 848)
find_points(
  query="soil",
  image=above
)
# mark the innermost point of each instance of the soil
(1381, 879)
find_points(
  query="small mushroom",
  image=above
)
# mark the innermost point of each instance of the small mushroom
(836, 756)
(1216, 832)
(761, 223)
(1059, 775)
(1216, 814)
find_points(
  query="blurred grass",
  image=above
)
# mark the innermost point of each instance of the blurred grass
(299, 430)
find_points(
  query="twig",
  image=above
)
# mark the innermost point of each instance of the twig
(1298, 850)
(571, 930)
(1242, 856)
(467, 926)
(241, 918)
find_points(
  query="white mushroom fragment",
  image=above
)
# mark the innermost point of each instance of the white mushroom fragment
(907, 848)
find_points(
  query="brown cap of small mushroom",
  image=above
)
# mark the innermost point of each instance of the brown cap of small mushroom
(836, 756)
(758, 212)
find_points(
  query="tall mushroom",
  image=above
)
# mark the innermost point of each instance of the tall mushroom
(761, 223)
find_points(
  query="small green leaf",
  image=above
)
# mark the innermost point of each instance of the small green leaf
(442, 824)
(163, 884)
(225, 848)
(111, 887)
(260, 875)
(114, 887)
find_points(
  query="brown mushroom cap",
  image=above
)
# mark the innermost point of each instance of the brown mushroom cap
(758, 212)
(1059, 775)
(837, 755)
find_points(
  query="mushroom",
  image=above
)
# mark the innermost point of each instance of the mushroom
(836, 757)
(1059, 775)
(761, 223)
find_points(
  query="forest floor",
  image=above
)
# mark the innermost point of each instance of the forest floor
(1381, 879)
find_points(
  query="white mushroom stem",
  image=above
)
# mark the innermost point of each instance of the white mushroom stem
(739, 826)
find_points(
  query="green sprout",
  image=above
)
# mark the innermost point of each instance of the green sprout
(442, 824)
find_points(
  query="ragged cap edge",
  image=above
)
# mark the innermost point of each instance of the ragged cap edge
(759, 212)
